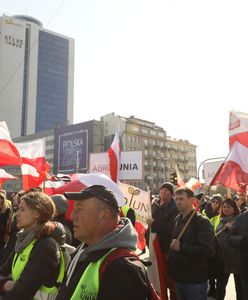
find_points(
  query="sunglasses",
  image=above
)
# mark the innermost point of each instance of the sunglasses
(215, 201)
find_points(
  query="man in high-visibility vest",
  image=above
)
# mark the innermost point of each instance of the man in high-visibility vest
(97, 224)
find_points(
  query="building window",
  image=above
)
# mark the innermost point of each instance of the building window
(144, 130)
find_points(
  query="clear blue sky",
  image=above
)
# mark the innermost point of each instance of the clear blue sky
(181, 64)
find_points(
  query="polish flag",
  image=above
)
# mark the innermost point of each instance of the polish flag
(193, 184)
(114, 157)
(50, 186)
(180, 182)
(9, 155)
(34, 167)
(233, 172)
(86, 180)
(4, 176)
(156, 271)
(238, 128)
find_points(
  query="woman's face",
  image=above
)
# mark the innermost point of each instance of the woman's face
(227, 210)
(215, 205)
(26, 217)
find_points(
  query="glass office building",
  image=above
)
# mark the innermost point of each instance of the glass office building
(36, 76)
(52, 82)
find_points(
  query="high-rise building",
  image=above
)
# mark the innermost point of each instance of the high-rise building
(36, 76)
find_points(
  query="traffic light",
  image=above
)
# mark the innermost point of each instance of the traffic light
(174, 178)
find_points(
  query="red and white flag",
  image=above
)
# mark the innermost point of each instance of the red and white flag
(4, 176)
(193, 184)
(157, 270)
(233, 172)
(238, 128)
(85, 180)
(51, 185)
(114, 153)
(34, 167)
(9, 155)
(180, 182)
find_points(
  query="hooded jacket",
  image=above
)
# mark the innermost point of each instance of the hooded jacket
(123, 278)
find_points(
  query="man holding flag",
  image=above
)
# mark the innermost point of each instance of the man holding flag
(191, 247)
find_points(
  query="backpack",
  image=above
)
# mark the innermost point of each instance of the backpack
(122, 252)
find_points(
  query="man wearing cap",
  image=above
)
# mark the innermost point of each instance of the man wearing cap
(164, 211)
(97, 225)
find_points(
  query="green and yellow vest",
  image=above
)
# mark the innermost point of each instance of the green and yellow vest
(18, 265)
(88, 285)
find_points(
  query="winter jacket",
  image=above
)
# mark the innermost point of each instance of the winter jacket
(238, 238)
(190, 263)
(123, 278)
(42, 268)
(229, 254)
(164, 219)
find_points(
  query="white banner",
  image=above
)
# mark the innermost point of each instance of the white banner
(210, 170)
(138, 200)
(130, 166)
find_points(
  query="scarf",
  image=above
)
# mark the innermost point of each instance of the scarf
(25, 237)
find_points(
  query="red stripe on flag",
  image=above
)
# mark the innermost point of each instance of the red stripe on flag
(113, 163)
(242, 138)
(161, 269)
(9, 155)
(231, 175)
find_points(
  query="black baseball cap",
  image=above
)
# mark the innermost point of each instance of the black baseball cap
(98, 191)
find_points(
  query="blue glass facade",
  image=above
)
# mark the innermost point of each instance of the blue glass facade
(52, 82)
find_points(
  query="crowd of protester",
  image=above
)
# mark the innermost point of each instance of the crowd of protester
(45, 256)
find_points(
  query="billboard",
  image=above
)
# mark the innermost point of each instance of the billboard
(131, 167)
(210, 170)
(72, 144)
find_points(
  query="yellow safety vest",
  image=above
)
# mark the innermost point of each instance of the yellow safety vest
(88, 285)
(124, 210)
(18, 265)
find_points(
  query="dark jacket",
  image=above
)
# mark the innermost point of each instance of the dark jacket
(164, 219)
(122, 279)
(4, 218)
(10, 245)
(190, 263)
(42, 268)
(229, 254)
(238, 238)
